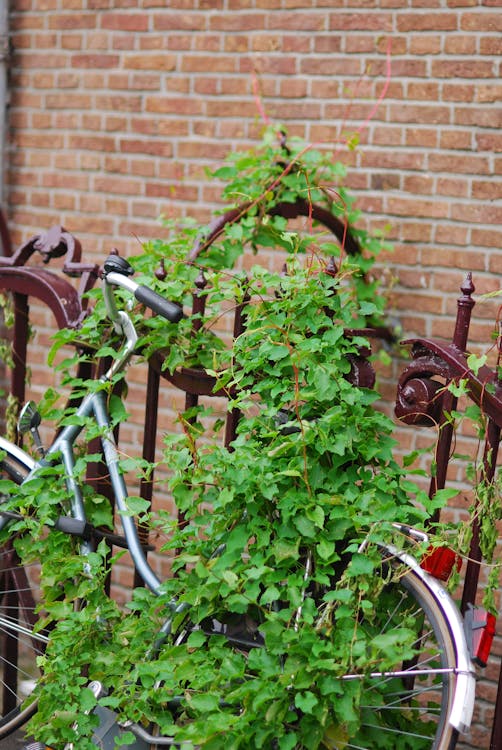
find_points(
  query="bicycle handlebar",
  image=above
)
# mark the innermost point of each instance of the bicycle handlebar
(169, 310)
(117, 271)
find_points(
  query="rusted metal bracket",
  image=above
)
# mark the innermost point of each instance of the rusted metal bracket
(420, 397)
(66, 302)
(423, 398)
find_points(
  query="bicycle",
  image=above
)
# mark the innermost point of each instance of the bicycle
(436, 683)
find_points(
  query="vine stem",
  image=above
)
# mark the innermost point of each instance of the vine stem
(295, 159)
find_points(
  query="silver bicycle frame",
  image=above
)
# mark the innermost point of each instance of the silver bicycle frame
(94, 405)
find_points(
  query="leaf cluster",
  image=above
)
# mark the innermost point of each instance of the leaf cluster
(270, 545)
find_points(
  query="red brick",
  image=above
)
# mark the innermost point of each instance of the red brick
(410, 68)
(371, 203)
(142, 168)
(463, 164)
(455, 258)
(426, 22)
(456, 139)
(150, 62)
(79, 224)
(95, 61)
(488, 190)
(116, 206)
(479, 214)
(289, 21)
(247, 22)
(420, 114)
(204, 63)
(423, 90)
(124, 21)
(421, 184)
(72, 41)
(99, 40)
(116, 163)
(64, 160)
(424, 44)
(91, 121)
(230, 108)
(358, 43)
(459, 92)
(39, 60)
(331, 66)
(26, 20)
(460, 45)
(121, 185)
(93, 143)
(170, 21)
(384, 181)
(295, 43)
(148, 146)
(395, 159)
(369, 21)
(423, 302)
(64, 201)
(145, 82)
(483, 22)
(115, 102)
(89, 161)
(294, 88)
(414, 206)
(461, 3)
(471, 68)
(68, 101)
(385, 135)
(453, 186)
(412, 231)
(72, 20)
(174, 192)
(490, 45)
(487, 238)
(489, 93)
(451, 234)
(328, 44)
(236, 44)
(40, 140)
(201, 150)
(489, 117)
(66, 180)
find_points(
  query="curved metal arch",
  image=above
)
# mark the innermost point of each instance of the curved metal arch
(340, 229)
(58, 294)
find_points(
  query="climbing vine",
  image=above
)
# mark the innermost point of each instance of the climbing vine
(270, 547)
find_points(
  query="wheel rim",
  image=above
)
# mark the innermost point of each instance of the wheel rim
(19, 644)
(409, 707)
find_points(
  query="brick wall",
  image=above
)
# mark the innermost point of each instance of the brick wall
(118, 105)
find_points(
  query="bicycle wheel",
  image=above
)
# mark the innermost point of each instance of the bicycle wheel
(414, 705)
(417, 699)
(20, 645)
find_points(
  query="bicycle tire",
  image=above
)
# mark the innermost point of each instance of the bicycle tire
(19, 644)
(421, 704)
(425, 697)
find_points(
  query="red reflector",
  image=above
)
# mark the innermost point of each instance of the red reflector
(479, 629)
(440, 561)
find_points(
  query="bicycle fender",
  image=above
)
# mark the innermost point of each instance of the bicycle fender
(463, 701)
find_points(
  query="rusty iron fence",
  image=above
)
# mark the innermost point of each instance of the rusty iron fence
(422, 398)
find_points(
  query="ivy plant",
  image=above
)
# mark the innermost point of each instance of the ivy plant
(272, 525)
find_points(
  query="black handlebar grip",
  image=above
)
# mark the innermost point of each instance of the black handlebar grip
(169, 310)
